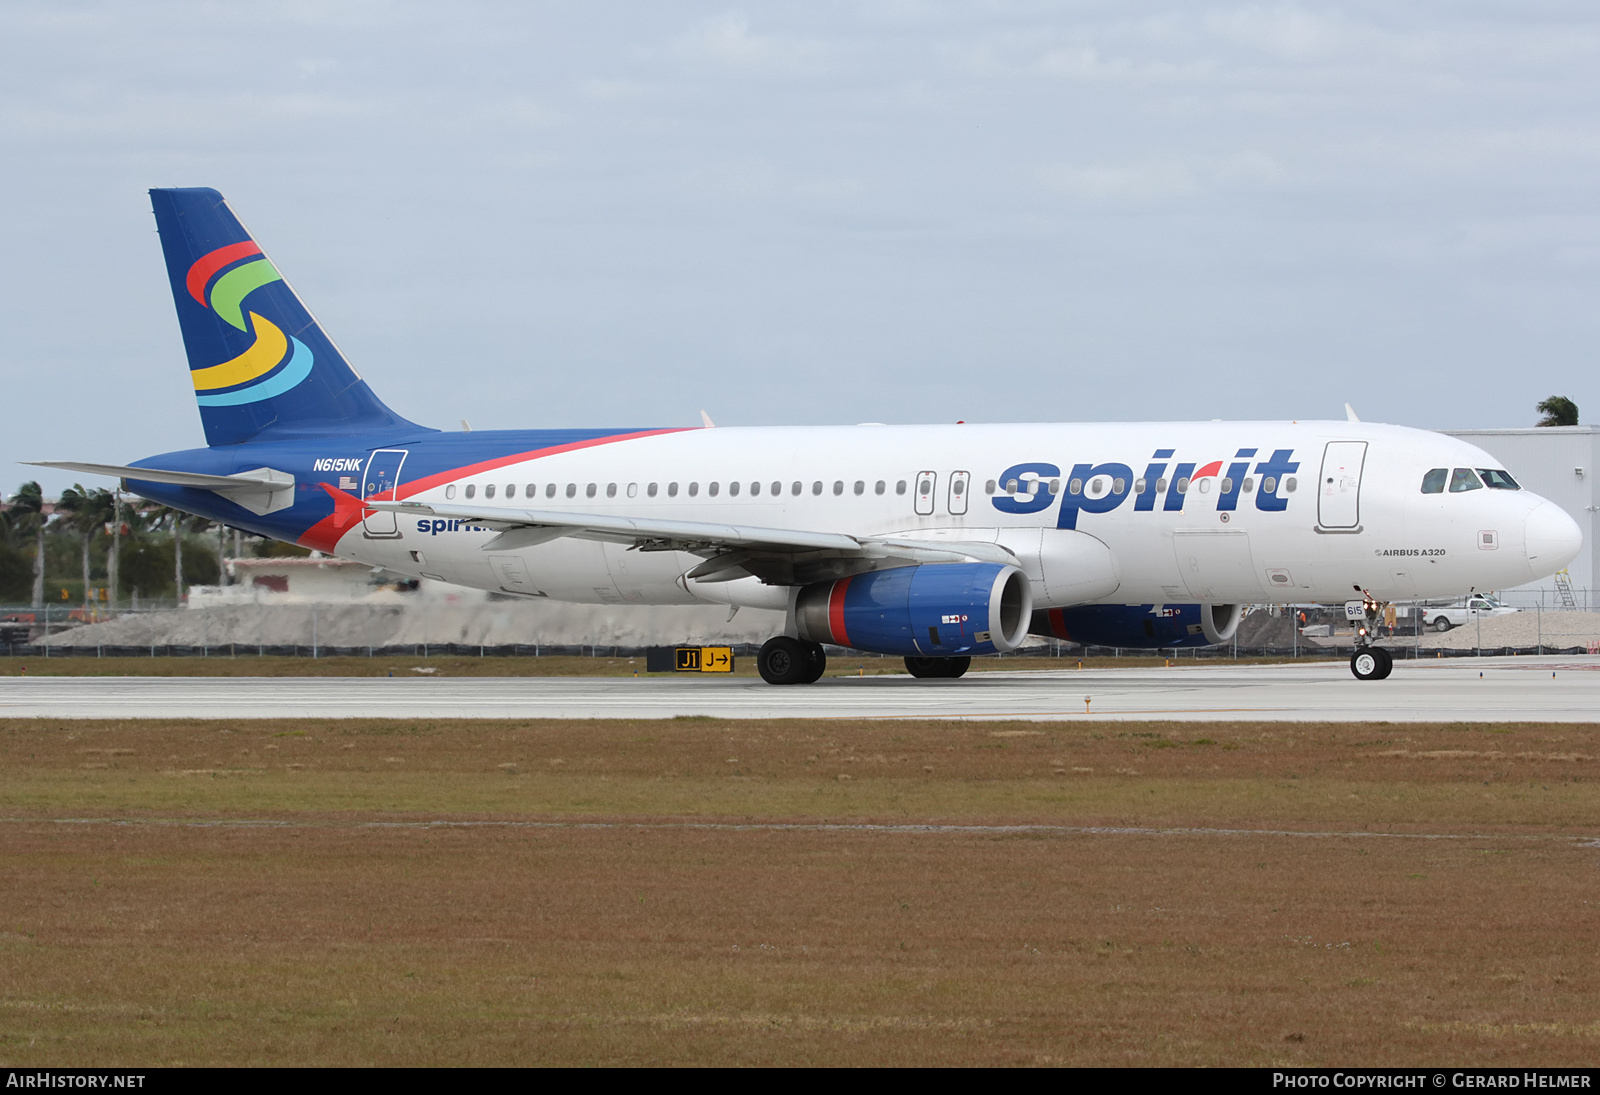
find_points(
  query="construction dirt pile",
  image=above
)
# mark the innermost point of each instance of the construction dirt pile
(491, 623)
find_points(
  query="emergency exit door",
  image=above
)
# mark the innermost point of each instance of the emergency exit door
(378, 481)
(926, 481)
(1339, 487)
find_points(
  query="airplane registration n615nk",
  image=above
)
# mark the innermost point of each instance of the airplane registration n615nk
(933, 543)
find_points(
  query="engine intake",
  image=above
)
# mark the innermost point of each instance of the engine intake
(933, 610)
(1136, 626)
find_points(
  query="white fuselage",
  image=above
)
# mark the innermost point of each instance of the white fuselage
(1205, 512)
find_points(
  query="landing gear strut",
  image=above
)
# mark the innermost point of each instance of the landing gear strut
(783, 660)
(1370, 663)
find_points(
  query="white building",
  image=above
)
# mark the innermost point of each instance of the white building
(1562, 464)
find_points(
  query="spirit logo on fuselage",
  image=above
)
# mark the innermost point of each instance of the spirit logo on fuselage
(1101, 488)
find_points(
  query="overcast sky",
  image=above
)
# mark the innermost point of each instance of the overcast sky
(616, 214)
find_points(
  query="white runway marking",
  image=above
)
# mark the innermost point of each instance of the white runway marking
(1554, 689)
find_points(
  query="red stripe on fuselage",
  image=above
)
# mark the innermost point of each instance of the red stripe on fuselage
(417, 486)
(209, 264)
(326, 533)
(836, 612)
(1058, 623)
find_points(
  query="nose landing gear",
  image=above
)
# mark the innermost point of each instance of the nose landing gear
(1368, 663)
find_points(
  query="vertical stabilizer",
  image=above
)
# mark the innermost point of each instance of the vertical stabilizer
(262, 368)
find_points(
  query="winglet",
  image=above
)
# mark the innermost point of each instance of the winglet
(706, 420)
(1350, 413)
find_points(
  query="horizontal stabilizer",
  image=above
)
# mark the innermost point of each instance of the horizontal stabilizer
(260, 490)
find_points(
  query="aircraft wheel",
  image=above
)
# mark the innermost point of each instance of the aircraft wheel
(1386, 663)
(948, 668)
(816, 662)
(1367, 665)
(783, 660)
(1441, 625)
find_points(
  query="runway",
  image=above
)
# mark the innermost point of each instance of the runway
(1551, 689)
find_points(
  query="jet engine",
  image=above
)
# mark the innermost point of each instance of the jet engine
(932, 610)
(1150, 626)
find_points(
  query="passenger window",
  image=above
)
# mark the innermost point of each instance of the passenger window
(472, 488)
(795, 488)
(611, 490)
(838, 487)
(1205, 486)
(589, 492)
(1290, 483)
(633, 490)
(1269, 484)
(1055, 486)
(988, 488)
(1011, 486)
(1118, 486)
(550, 490)
(1249, 484)
(755, 489)
(1075, 487)
(672, 490)
(511, 490)
(733, 489)
(488, 491)
(450, 491)
(861, 488)
(710, 489)
(1139, 485)
(572, 490)
(777, 488)
(1227, 486)
(1183, 485)
(1433, 482)
(651, 490)
(694, 489)
(1462, 480)
(1495, 479)
(531, 490)
(900, 487)
(880, 487)
(1161, 486)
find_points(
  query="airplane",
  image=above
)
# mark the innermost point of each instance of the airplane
(932, 543)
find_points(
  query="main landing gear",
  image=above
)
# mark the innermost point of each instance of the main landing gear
(937, 667)
(1370, 663)
(790, 661)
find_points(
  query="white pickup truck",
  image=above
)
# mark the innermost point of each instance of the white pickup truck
(1474, 607)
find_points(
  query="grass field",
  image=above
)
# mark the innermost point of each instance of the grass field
(793, 892)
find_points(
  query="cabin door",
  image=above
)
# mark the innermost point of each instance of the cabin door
(1339, 487)
(378, 481)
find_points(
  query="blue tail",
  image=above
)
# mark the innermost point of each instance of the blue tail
(262, 368)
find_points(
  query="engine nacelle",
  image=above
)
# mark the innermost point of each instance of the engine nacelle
(1150, 626)
(933, 610)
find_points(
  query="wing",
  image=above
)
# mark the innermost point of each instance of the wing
(776, 556)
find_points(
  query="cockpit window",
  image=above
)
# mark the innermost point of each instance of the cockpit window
(1433, 482)
(1495, 479)
(1462, 479)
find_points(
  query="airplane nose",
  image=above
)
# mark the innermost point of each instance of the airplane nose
(1553, 539)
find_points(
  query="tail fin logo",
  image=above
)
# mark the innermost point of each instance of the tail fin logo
(275, 362)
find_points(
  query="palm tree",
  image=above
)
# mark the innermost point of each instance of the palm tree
(1558, 410)
(89, 511)
(27, 508)
(179, 522)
